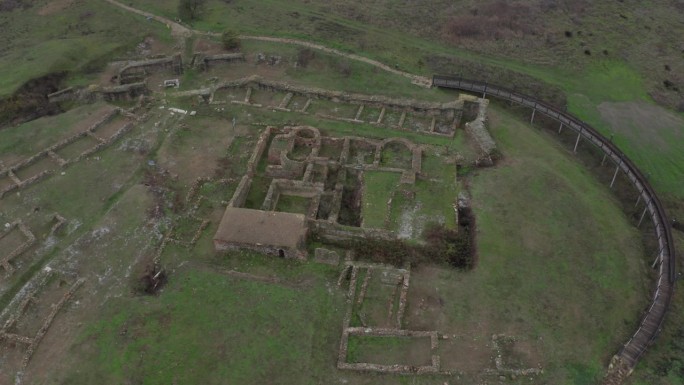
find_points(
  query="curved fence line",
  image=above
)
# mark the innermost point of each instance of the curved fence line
(653, 319)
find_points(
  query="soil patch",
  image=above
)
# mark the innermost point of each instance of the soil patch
(208, 47)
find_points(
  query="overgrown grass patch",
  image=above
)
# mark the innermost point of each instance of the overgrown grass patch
(389, 350)
(25, 140)
(378, 188)
(293, 204)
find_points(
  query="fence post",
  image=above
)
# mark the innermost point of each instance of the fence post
(655, 262)
(642, 216)
(534, 109)
(560, 128)
(484, 93)
(579, 134)
(617, 168)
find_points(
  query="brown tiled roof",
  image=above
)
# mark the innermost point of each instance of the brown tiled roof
(256, 227)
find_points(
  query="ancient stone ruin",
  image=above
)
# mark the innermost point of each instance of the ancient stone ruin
(296, 167)
(268, 232)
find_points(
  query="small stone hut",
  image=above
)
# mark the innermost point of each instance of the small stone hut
(270, 232)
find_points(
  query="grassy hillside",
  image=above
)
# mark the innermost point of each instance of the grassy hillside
(559, 261)
(78, 37)
(641, 63)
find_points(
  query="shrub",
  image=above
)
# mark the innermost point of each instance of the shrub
(304, 56)
(191, 9)
(230, 40)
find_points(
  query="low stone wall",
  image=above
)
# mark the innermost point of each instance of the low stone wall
(48, 321)
(240, 194)
(123, 92)
(203, 61)
(69, 93)
(381, 332)
(59, 222)
(258, 152)
(478, 131)
(30, 240)
(299, 188)
(136, 69)
(379, 101)
(17, 307)
(273, 251)
(333, 232)
(50, 152)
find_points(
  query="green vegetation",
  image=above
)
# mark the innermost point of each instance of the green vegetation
(587, 79)
(389, 350)
(559, 263)
(379, 186)
(530, 262)
(293, 204)
(199, 331)
(230, 40)
(191, 9)
(28, 139)
(79, 38)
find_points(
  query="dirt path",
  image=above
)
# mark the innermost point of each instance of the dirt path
(415, 79)
(179, 30)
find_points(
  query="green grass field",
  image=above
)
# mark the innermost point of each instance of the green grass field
(558, 260)
(378, 189)
(80, 39)
(565, 258)
(202, 330)
(559, 263)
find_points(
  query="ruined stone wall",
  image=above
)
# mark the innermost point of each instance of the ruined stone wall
(203, 61)
(240, 194)
(478, 131)
(123, 92)
(268, 250)
(333, 232)
(292, 167)
(430, 108)
(136, 69)
(258, 152)
(66, 94)
(50, 152)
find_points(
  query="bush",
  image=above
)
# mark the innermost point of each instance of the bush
(450, 246)
(304, 56)
(151, 281)
(442, 246)
(230, 40)
(191, 9)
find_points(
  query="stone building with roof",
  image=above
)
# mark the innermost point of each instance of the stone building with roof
(270, 232)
